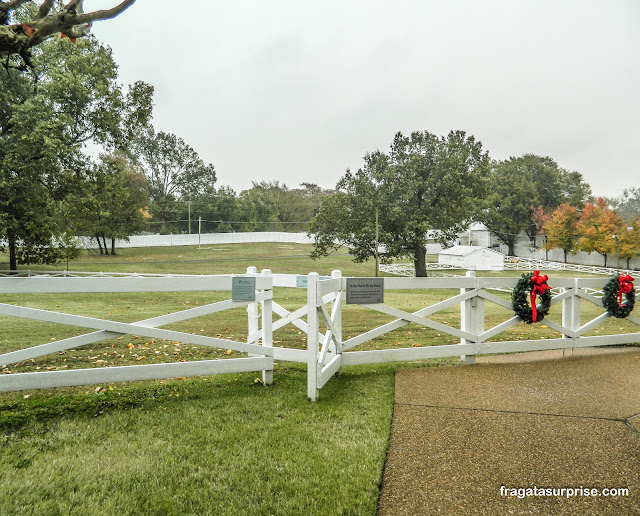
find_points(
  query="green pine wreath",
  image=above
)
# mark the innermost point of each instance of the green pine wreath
(610, 299)
(520, 299)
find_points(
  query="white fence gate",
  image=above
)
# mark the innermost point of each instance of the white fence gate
(475, 339)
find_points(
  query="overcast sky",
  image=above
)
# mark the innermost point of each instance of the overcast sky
(301, 90)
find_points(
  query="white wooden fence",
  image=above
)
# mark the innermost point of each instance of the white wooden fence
(261, 356)
(326, 352)
(475, 339)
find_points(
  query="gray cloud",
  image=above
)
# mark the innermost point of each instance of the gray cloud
(301, 90)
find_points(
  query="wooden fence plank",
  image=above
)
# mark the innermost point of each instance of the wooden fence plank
(329, 370)
(49, 379)
(41, 285)
(126, 328)
(406, 354)
(394, 312)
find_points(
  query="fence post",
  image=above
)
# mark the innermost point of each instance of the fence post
(571, 311)
(471, 318)
(267, 327)
(336, 308)
(252, 314)
(312, 336)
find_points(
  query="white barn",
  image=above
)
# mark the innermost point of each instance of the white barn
(472, 258)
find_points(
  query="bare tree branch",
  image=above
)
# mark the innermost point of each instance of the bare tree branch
(69, 20)
(44, 9)
(106, 14)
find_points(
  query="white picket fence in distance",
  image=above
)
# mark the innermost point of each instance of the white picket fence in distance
(511, 263)
(326, 351)
(202, 239)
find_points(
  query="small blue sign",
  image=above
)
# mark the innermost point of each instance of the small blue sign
(243, 289)
(303, 281)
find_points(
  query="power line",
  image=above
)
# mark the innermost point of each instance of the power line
(230, 222)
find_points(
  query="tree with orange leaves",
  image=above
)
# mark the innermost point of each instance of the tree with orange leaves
(599, 228)
(560, 229)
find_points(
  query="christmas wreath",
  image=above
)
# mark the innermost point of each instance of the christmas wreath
(617, 288)
(524, 295)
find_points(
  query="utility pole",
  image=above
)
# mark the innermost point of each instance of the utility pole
(199, 230)
(189, 205)
(376, 249)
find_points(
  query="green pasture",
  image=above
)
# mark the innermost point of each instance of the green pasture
(216, 445)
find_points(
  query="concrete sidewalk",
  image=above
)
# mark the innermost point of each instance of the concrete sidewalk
(526, 420)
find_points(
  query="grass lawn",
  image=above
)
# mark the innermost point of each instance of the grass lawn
(214, 445)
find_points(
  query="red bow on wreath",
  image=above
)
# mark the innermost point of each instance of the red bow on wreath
(539, 287)
(626, 286)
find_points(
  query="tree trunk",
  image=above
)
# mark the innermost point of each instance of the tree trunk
(546, 251)
(99, 243)
(629, 263)
(104, 243)
(512, 247)
(420, 261)
(113, 246)
(13, 259)
(565, 255)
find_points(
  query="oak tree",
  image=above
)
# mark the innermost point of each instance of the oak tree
(599, 228)
(174, 171)
(424, 183)
(70, 97)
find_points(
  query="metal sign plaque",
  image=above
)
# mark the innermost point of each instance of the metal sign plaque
(365, 291)
(243, 289)
(303, 281)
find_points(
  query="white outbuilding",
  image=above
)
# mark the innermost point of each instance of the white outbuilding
(472, 258)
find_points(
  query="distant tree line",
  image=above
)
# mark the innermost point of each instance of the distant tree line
(266, 206)
(390, 208)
